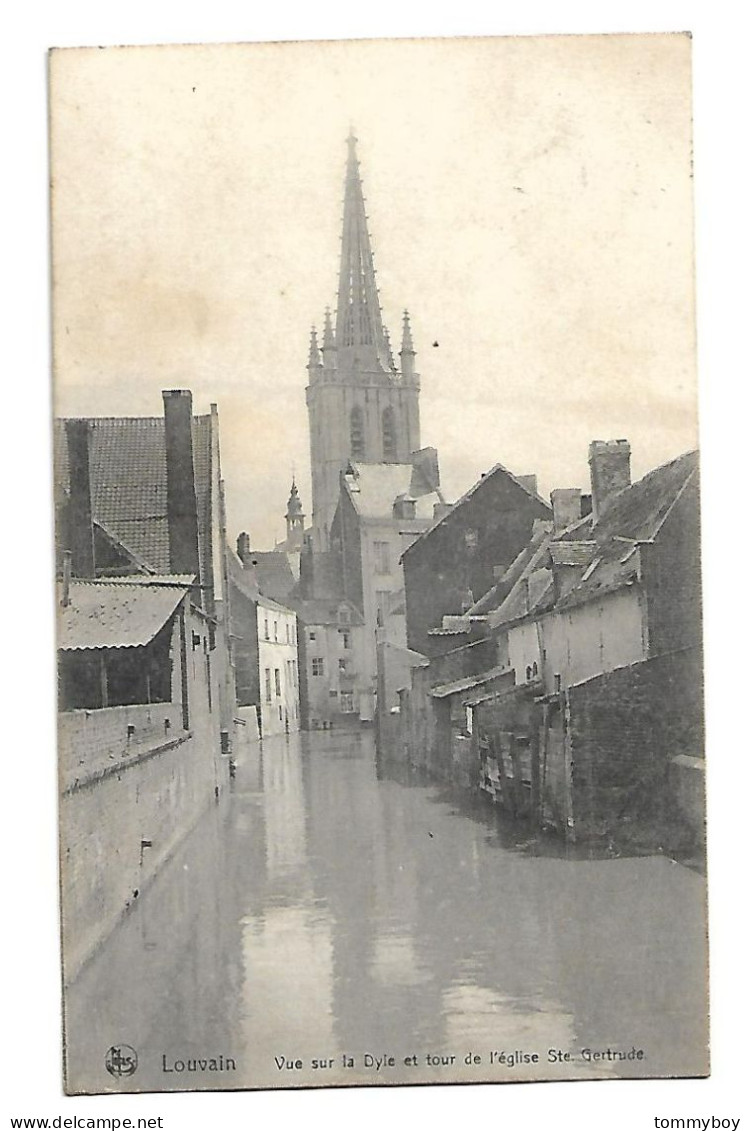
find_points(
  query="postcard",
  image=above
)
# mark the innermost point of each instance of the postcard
(381, 754)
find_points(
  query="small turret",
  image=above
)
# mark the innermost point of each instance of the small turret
(389, 352)
(407, 352)
(314, 356)
(329, 343)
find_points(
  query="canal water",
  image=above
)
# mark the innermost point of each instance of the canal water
(325, 923)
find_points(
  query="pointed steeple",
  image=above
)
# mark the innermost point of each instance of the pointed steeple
(359, 325)
(314, 356)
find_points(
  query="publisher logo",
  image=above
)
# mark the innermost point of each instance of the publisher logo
(121, 1060)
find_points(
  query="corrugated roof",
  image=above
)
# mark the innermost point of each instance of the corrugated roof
(115, 614)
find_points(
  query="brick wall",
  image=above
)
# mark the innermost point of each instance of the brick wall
(92, 742)
(624, 727)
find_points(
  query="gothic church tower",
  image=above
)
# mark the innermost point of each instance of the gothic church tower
(361, 407)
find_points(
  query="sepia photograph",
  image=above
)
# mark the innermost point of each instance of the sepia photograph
(377, 569)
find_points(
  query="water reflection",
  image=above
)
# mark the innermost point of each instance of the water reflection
(323, 910)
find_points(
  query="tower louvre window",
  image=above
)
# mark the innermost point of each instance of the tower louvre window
(388, 428)
(357, 433)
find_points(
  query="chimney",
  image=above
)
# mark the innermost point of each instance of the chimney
(243, 546)
(80, 534)
(440, 509)
(610, 471)
(182, 510)
(528, 481)
(567, 507)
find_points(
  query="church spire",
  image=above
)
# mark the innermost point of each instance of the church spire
(358, 316)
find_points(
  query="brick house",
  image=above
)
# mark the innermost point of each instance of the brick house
(464, 551)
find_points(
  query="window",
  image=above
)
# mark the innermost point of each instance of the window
(333, 693)
(343, 666)
(383, 596)
(277, 681)
(268, 685)
(287, 628)
(346, 702)
(357, 433)
(346, 640)
(266, 627)
(316, 665)
(311, 636)
(276, 630)
(382, 557)
(388, 429)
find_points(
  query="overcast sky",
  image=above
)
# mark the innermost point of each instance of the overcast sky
(529, 202)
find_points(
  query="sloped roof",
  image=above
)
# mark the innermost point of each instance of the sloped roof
(247, 582)
(117, 614)
(605, 552)
(528, 558)
(482, 483)
(274, 573)
(325, 610)
(633, 516)
(373, 487)
(469, 682)
(128, 474)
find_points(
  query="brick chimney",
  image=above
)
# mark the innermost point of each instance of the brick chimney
(610, 471)
(182, 510)
(80, 533)
(567, 507)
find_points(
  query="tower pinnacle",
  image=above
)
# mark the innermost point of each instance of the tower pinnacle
(295, 519)
(407, 352)
(314, 356)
